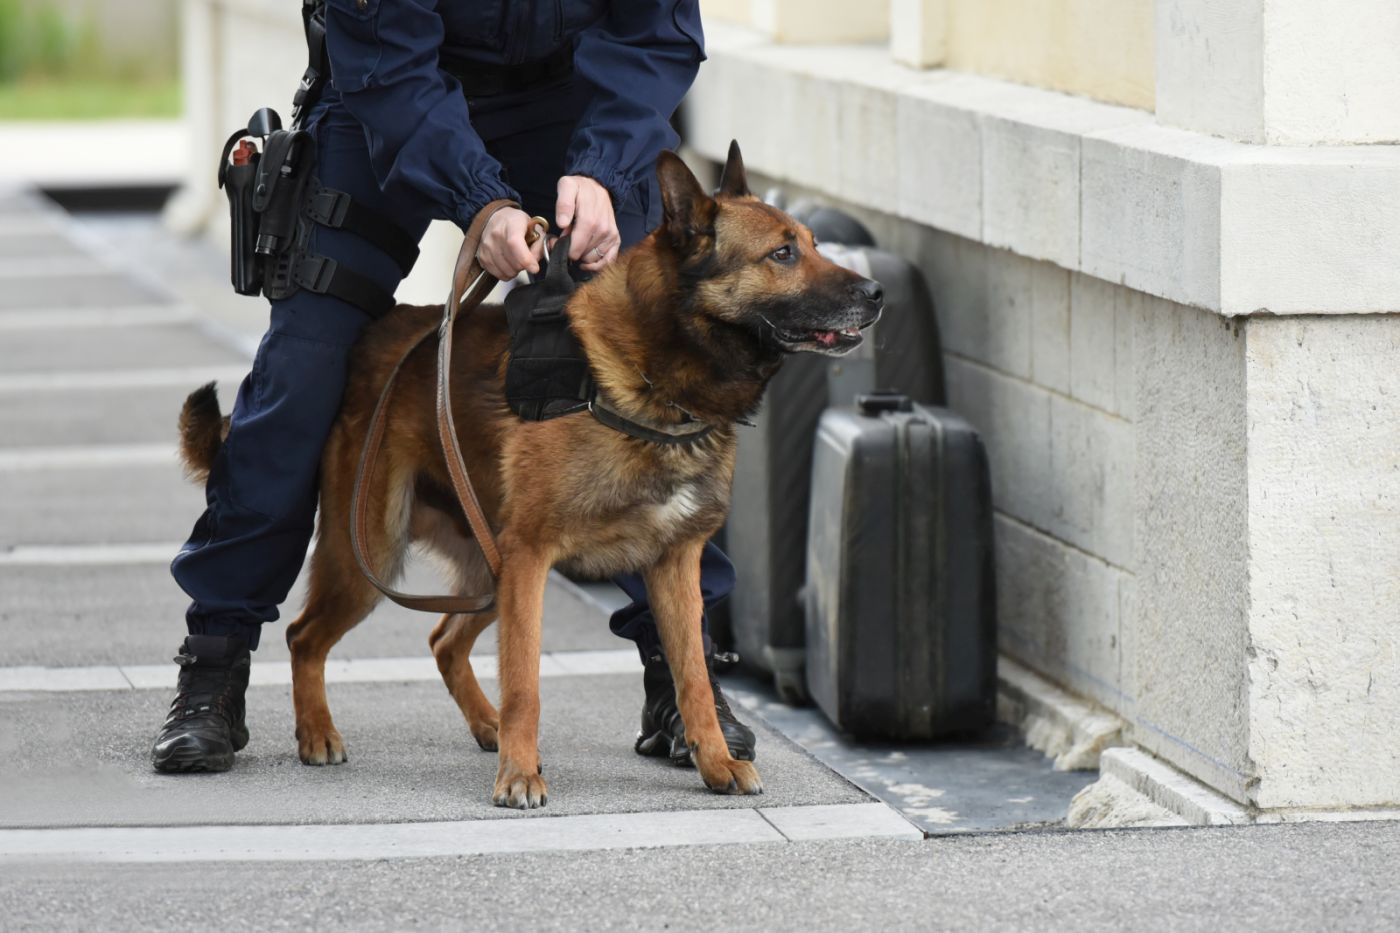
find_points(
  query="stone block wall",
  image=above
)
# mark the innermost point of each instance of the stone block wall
(1194, 513)
(1041, 360)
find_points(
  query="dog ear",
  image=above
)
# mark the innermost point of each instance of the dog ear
(734, 182)
(690, 212)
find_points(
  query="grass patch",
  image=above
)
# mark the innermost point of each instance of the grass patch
(87, 99)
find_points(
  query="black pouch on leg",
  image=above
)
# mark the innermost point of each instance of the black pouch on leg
(284, 175)
(276, 201)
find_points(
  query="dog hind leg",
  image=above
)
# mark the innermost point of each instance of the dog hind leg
(333, 607)
(454, 636)
(452, 642)
(339, 597)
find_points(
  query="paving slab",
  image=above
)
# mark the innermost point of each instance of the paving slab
(98, 506)
(35, 244)
(80, 291)
(372, 841)
(81, 760)
(77, 417)
(160, 346)
(19, 200)
(986, 783)
(134, 614)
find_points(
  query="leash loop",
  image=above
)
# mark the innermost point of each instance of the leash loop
(462, 296)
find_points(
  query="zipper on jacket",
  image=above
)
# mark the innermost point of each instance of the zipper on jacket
(558, 22)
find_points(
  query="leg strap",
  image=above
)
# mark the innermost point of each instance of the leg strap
(331, 208)
(325, 276)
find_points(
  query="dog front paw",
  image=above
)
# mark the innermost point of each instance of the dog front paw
(519, 788)
(726, 775)
(321, 746)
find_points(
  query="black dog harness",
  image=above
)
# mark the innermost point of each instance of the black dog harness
(548, 375)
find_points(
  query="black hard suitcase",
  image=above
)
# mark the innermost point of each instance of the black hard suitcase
(767, 527)
(830, 224)
(900, 595)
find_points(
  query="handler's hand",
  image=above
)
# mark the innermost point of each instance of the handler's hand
(585, 210)
(503, 252)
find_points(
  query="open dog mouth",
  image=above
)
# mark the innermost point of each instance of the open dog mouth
(826, 339)
(833, 342)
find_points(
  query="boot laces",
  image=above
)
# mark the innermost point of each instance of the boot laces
(718, 663)
(201, 689)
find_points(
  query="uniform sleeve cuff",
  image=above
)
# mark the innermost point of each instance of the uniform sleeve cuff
(619, 184)
(483, 191)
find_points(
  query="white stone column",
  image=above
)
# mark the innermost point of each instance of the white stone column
(1288, 72)
(194, 204)
(919, 32)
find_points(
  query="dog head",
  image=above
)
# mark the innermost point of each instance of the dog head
(749, 266)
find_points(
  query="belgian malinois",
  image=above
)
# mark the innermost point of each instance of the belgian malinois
(690, 323)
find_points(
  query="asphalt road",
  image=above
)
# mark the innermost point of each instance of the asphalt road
(1313, 877)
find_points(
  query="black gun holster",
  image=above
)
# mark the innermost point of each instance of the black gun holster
(276, 201)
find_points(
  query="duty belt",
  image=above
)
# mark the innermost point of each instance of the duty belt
(487, 80)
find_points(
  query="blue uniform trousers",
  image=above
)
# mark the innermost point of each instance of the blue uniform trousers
(247, 548)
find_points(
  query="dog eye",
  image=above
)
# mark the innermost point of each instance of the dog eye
(783, 254)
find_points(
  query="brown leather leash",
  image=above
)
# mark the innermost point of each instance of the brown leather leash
(470, 286)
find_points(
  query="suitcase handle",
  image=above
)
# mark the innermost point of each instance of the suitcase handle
(873, 403)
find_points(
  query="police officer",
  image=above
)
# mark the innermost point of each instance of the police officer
(433, 109)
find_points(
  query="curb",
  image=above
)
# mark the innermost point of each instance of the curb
(1073, 731)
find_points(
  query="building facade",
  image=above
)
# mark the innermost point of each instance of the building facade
(1163, 238)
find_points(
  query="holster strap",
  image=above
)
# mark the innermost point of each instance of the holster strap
(325, 276)
(331, 208)
(313, 80)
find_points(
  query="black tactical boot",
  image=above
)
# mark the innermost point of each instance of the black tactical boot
(205, 724)
(663, 732)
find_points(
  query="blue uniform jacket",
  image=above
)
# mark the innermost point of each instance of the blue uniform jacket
(640, 56)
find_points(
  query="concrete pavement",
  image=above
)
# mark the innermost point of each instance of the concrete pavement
(92, 369)
(95, 506)
(1323, 876)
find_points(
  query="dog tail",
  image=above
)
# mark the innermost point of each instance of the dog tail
(202, 432)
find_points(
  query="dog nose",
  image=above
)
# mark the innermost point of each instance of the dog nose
(869, 290)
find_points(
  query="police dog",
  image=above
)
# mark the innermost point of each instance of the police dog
(693, 321)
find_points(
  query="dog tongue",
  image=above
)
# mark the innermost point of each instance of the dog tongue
(826, 337)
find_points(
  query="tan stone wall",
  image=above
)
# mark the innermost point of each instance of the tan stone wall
(1098, 48)
(1102, 49)
(729, 11)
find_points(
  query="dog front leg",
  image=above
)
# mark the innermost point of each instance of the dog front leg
(673, 588)
(521, 592)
